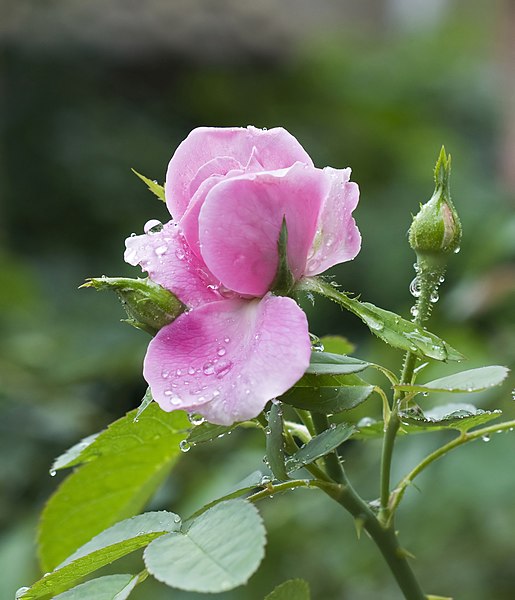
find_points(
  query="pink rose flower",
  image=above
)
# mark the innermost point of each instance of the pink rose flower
(228, 191)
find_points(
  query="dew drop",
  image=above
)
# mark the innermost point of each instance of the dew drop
(265, 480)
(414, 287)
(153, 226)
(180, 254)
(316, 344)
(160, 250)
(222, 369)
(195, 419)
(414, 311)
(208, 368)
(441, 279)
(213, 286)
(165, 374)
(178, 372)
(184, 446)
(53, 472)
(177, 519)
(485, 438)
(221, 351)
(191, 371)
(227, 340)
(20, 592)
(216, 393)
(457, 250)
(434, 297)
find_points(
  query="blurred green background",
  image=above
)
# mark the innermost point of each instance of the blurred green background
(91, 89)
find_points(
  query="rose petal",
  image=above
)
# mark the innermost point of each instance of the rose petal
(167, 259)
(275, 149)
(338, 239)
(240, 222)
(226, 359)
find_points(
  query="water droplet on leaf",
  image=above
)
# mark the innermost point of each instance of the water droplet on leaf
(184, 446)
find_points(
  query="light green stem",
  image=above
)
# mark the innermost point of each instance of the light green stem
(464, 438)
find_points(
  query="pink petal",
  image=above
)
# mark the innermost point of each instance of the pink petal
(167, 259)
(240, 222)
(275, 149)
(227, 359)
(338, 239)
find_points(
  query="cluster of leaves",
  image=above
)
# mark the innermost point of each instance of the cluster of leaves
(92, 519)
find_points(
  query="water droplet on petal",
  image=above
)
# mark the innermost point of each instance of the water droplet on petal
(160, 250)
(221, 351)
(152, 226)
(165, 374)
(227, 340)
(222, 368)
(208, 368)
(191, 371)
(180, 254)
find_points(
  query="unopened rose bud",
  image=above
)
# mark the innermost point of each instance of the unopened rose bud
(148, 305)
(436, 229)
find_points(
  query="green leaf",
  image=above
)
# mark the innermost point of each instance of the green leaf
(153, 186)
(275, 442)
(219, 550)
(386, 325)
(337, 344)
(458, 416)
(207, 432)
(320, 445)
(328, 394)
(294, 589)
(120, 471)
(71, 456)
(327, 363)
(450, 416)
(113, 543)
(473, 380)
(109, 587)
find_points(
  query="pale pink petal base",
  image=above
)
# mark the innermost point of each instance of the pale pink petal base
(168, 260)
(337, 239)
(227, 359)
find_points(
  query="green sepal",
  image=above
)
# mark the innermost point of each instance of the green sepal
(148, 305)
(153, 186)
(284, 280)
(386, 325)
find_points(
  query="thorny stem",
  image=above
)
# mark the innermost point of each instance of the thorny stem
(385, 538)
(332, 462)
(463, 438)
